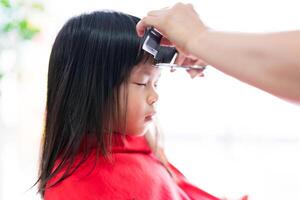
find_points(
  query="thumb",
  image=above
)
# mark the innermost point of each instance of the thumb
(144, 23)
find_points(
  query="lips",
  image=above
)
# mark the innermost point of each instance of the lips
(149, 117)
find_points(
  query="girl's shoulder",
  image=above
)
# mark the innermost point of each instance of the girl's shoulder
(124, 176)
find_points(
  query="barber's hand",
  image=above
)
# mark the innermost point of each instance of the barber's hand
(179, 25)
(184, 60)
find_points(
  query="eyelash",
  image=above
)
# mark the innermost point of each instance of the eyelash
(144, 84)
(141, 84)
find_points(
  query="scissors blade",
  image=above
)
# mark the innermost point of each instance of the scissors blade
(174, 66)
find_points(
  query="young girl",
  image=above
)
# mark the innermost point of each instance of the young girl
(100, 105)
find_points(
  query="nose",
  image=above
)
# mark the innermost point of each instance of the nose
(152, 97)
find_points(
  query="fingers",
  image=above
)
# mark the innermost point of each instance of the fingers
(180, 59)
(195, 73)
(141, 26)
(183, 60)
(189, 61)
(152, 19)
(165, 41)
(144, 23)
(201, 63)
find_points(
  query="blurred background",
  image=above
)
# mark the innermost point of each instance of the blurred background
(227, 137)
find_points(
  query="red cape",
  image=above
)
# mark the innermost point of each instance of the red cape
(133, 174)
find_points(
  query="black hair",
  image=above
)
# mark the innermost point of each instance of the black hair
(92, 56)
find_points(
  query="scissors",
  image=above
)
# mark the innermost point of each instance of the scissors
(174, 66)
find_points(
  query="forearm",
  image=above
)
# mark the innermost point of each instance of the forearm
(268, 61)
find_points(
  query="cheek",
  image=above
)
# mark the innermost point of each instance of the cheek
(135, 119)
(135, 105)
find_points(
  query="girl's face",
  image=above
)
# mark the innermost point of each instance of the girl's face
(142, 98)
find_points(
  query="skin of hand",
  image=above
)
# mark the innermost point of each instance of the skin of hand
(268, 61)
(166, 21)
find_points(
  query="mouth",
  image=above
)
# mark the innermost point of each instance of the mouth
(149, 117)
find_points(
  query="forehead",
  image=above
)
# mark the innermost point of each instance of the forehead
(145, 69)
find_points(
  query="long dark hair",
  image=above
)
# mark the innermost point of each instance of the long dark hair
(93, 54)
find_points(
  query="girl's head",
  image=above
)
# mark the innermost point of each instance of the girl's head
(99, 82)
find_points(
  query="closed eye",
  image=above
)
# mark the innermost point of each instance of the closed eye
(141, 84)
